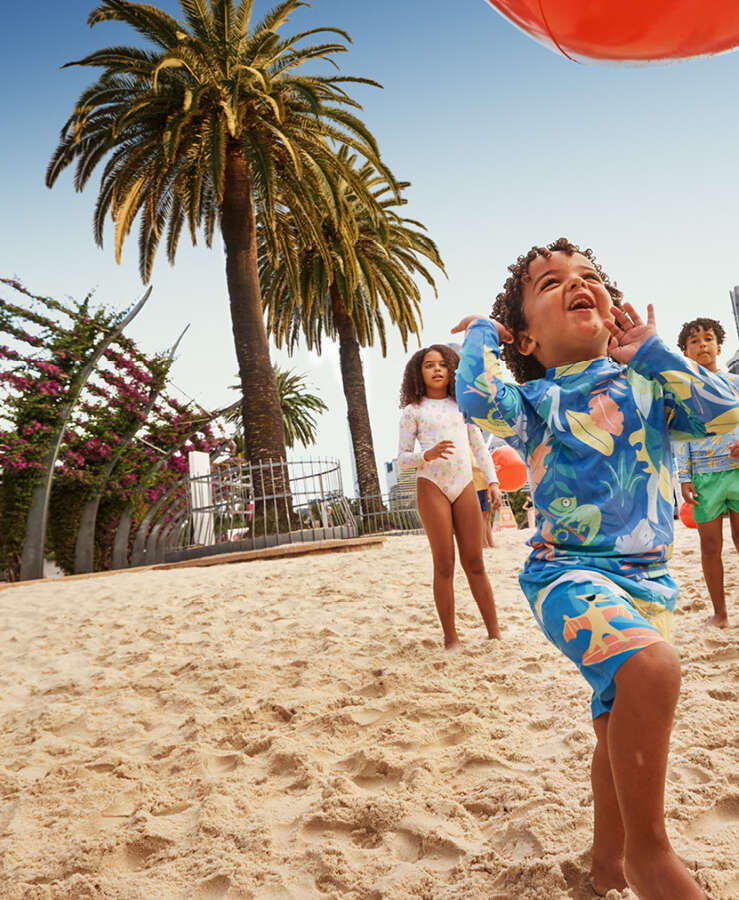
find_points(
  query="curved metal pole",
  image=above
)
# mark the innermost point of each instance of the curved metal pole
(34, 543)
(84, 551)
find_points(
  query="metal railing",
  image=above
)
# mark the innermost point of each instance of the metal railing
(240, 506)
(393, 513)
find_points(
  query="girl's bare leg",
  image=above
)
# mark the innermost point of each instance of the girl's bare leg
(647, 688)
(607, 863)
(468, 530)
(436, 515)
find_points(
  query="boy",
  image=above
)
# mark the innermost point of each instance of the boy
(708, 473)
(595, 434)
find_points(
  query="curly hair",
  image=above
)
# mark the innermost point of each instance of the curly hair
(412, 389)
(692, 326)
(508, 306)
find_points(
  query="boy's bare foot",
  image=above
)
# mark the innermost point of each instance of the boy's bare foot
(661, 876)
(452, 644)
(718, 621)
(495, 635)
(607, 876)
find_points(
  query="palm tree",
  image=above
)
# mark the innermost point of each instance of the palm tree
(212, 124)
(369, 271)
(299, 409)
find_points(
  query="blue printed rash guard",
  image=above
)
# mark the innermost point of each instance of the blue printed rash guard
(596, 438)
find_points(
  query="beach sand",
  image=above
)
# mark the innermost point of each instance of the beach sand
(293, 729)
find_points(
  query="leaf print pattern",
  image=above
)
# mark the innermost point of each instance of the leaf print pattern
(597, 434)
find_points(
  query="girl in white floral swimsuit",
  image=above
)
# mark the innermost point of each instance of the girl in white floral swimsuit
(447, 499)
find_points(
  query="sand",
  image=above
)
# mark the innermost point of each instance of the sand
(293, 729)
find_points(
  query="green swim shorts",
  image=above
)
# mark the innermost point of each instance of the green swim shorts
(717, 492)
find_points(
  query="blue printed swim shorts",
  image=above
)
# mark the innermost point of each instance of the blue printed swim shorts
(599, 619)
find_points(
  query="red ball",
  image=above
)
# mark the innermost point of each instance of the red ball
(627, 30)
(686, 515)
(511, 469)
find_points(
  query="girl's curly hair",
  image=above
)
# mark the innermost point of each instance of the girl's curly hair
(508, 306)
(707, 325)
(412, 389)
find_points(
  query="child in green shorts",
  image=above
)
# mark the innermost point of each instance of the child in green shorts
(709, 471)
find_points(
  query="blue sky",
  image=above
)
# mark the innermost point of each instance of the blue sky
(505, 143)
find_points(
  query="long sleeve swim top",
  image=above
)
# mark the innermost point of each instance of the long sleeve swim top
(431, 421)
(596, 437)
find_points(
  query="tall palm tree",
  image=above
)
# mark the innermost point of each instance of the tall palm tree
(374, 254)
(211, 124)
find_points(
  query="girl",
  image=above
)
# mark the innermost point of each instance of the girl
(447, 500)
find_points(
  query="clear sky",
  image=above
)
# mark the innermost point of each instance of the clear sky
(506, 145)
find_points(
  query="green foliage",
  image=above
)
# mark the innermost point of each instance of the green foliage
(299, 410)
(166, 117)
(517, 500)
(367, 250)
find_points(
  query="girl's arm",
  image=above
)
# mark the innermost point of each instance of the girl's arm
(483, 397)
(482, 454)
(407, 457)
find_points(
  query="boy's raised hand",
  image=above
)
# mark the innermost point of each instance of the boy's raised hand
(504, 334)
(629, 332)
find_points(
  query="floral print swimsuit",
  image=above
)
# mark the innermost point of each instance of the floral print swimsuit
(431, 421)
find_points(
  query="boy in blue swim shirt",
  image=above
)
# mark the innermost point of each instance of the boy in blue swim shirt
(708, 473)
(598, 401)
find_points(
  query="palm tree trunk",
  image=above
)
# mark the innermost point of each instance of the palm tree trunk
(352, 378)
(263, 432)
(264, 435)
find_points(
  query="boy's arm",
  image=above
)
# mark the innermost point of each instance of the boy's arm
(482, 396)
(697, 401)
(684, 463)
(481, 454)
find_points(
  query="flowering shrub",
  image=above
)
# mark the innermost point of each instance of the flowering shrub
(101, 456)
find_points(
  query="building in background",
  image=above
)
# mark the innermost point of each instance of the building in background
(733, 363)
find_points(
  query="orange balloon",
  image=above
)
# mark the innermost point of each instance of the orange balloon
(627, 30)
(686, 515)
(510, 468)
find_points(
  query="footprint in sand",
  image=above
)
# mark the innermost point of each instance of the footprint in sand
(717, 694)
(140, 854)
(370, 773)
(690, 775)
(370, 716)
(429, 850)
(724, 815)
(214, 888)
(217, 764)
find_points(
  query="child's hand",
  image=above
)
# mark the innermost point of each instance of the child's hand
(629, 332)
(734, 450)
(495, 498)
(504, 334)
(690, 495)
(443, 450)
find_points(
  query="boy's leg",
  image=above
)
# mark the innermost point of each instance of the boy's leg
(712, 539)
(487, 532)
(436, 516)
(468, 528)
(734, 523)
(607, 863)
(647, 688)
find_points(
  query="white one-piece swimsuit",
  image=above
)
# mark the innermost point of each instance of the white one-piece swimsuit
(431, 421)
